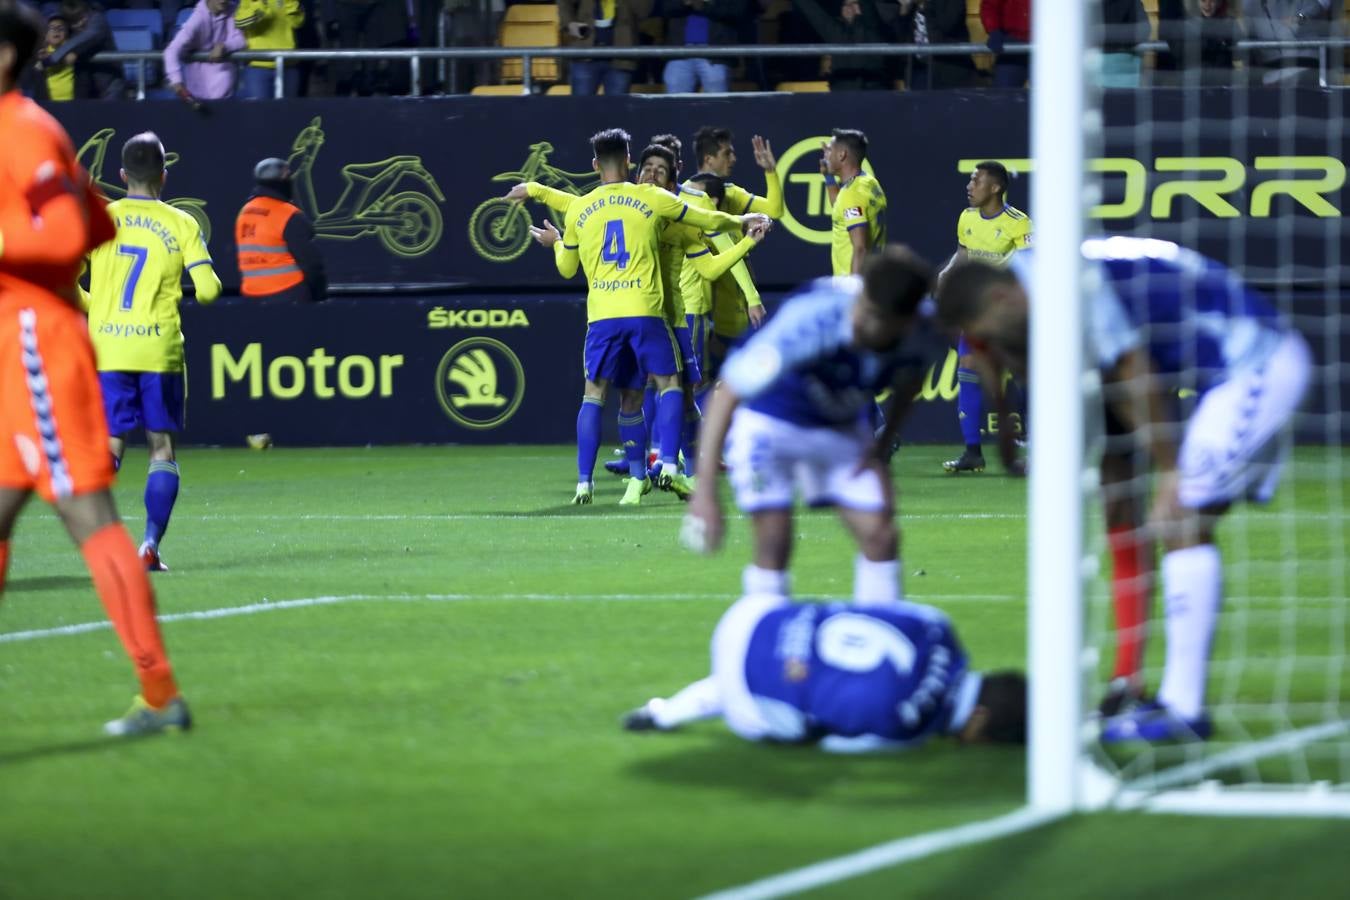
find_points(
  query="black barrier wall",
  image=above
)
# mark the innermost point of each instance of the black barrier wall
(479, 370)
(407, 191)
(487, 370)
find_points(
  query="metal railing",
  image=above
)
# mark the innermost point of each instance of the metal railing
(415, 56)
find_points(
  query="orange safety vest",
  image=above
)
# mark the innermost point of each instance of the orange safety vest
(266, 266)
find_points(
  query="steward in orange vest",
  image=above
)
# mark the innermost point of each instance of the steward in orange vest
(278, 258)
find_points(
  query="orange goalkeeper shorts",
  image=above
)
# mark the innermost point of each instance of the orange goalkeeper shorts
(53, 437)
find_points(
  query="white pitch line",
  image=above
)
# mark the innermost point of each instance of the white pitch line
(522, 516)
(264, 606)
(884, 856)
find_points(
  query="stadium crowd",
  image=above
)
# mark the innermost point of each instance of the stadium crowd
(1200, 35)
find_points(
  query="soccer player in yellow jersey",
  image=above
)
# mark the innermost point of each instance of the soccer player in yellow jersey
(613, 235)
(991, 231)
(735, 303)
(135, 286)
(684, 247)
(858, 219)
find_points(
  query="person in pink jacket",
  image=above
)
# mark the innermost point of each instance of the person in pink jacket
(210, 29)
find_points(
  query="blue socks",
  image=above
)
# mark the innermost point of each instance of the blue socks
(970, 406)
(670, 421)
(161, 490)
(692, 421)
(588, 438)
(633, 436)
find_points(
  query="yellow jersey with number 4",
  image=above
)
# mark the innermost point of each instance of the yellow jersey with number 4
(615, 233)
(136, 284)
(861, 203)
(996, 238)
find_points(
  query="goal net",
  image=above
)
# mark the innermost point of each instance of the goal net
(1237, 152)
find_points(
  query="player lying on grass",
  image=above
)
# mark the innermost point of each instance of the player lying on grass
(853, 678)
(1166, 318)
(792, 411)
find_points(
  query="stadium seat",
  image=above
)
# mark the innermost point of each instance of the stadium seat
(529, 34)
(563, 90)
(804, 87)
(138, 19)
(131, 40)
(657, 88)
(498, 90)
(533, 13)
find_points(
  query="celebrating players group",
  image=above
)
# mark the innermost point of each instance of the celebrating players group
(788, 402)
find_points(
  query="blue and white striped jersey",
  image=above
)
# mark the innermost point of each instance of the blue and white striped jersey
(803, 367)
(897, 673)
(1193, 316)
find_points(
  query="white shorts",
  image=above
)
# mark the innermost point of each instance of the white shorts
(753, 718)
(770, 461)
(1236, 442)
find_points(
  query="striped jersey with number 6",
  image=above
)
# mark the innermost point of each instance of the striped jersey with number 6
(136, 284)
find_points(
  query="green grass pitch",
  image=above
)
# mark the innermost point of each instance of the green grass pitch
(442, 720)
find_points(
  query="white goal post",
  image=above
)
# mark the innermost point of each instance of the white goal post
(1279, 682)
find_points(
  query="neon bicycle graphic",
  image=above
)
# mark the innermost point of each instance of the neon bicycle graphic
(384, 198)
(499, 229)
(96, 149)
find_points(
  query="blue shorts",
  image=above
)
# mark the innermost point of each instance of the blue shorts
(622, 350)
(149, 400)
(693, 372)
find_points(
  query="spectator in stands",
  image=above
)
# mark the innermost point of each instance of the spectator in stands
(89, 35)
(701, 23)
(268, 25)
(923, 22)
(1200, 35)
(1287, 20)
(856, 23)
(1125, 25)
(278, 257)
(602, 23)
(1007, 20)
(470, 23)
(210, 29)
(371, 25)
(58, 80)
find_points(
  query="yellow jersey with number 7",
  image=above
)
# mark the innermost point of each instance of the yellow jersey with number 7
(136, 284)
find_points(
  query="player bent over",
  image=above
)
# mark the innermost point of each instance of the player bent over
(793, 412)
(135, 288)
(1167, 318)
(53, 439)
(855, 679)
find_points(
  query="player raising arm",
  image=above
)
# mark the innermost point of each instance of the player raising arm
(614, 236)
(135, 288)
(53, 440)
